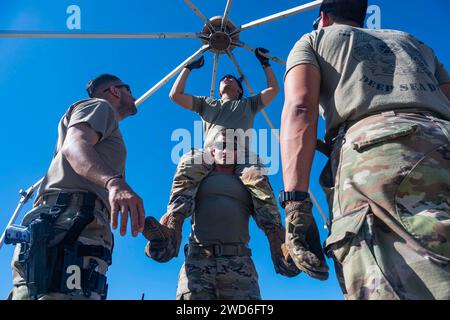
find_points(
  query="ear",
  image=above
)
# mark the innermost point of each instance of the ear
(326, 20)
(213, 152)
(115, 91)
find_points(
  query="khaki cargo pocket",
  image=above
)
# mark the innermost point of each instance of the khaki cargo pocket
(382, 134)
(422, 201)
(343, 230)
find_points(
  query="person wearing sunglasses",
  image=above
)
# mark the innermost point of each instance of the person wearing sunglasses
(234, 111)
(83, 191)
(218, 263)
(384, 96)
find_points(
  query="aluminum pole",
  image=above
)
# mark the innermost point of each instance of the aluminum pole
(225, 14)
(201, 15)
(167, 78)
(214, 74)
(51, 35)
(247, 47)
(280, 15)
(24, 197)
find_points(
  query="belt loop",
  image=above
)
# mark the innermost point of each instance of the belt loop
(388, 114)
(217, 250)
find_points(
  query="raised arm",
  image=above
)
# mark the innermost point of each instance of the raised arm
(268, 94)
(177, 94)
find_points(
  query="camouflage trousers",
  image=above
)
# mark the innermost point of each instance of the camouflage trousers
(191, 170)
(97, 233)
(218, 278)
(398, 164)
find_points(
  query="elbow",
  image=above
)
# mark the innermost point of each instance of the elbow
(172, 95)
(66, 151)
(300, 110)
(275, 89)
(297, 117)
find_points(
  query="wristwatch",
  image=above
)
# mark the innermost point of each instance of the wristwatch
(291, 196)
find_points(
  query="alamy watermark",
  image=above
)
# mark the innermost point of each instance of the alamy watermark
(373, 18)
(73, 21)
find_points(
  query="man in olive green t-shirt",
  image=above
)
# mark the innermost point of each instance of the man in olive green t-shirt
(385, 99)
(83, 190)
(233, 112)
(218, 261)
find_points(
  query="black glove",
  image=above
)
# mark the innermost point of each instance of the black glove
(303, 241)
(196, 64)
(263, 59)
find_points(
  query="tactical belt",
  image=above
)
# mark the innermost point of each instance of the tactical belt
(73, 199)
(217, 250)
(95, 251)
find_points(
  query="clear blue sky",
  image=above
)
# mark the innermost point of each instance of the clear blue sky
(40, 78)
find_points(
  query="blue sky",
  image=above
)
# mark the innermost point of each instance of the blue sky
(40, 78)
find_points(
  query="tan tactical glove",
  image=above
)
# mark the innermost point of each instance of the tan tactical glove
(164, 237)
(280, 257)
(303, 241)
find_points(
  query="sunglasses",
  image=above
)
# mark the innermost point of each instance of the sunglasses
(224, 145)
(316, 23)
(126, 86)
(228, 76)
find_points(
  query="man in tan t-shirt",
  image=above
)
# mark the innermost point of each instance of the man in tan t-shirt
(83, 190)
(385, 99)
(218, 261)
(230, 111)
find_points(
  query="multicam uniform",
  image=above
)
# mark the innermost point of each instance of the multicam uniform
(192, 168)
(63, 193)
(218, 262)
(388, 124)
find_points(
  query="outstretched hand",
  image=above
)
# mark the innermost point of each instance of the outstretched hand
(125, 201)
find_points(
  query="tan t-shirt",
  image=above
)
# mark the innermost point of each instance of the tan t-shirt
(226, 114)
(99, 115)
(370, 71)
(222, 211)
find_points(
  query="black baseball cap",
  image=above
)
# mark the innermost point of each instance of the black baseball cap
(353, 10)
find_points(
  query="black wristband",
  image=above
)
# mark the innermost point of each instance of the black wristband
(292, 196)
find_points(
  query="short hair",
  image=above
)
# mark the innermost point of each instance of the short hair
(346, 10)
(98, 82)
(229, 133)
(239, 82)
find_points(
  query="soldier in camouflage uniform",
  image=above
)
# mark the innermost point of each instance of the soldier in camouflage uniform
(385, 99)
(218, 261)
(231, 111)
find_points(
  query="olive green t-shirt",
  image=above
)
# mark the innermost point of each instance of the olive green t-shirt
(370, 71)
(226, 114)
(99, 115)
(222, 211)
